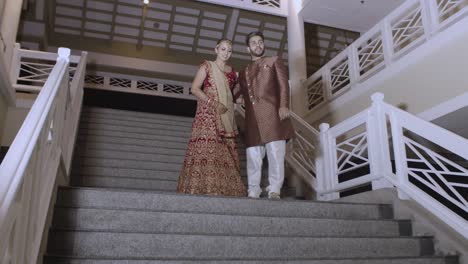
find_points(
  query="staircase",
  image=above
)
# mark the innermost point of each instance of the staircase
(122, 208)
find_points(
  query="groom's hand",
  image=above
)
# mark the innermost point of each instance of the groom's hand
(283, 113)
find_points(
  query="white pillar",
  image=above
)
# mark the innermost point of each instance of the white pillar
(9, 22)
(297, 57)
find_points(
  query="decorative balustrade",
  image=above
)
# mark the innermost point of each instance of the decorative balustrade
(32, 68)
(410, 25)
(40, 152)
(138, 84)
(358, 151)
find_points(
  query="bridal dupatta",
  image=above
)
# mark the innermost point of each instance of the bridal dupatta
(225, 98)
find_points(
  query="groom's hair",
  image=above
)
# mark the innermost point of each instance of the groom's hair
(253, 34)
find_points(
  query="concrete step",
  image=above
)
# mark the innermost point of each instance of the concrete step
(150, 137)
(184, 246)
(157, 120)
(162, 124)
(126, 183)
(131, 164)
(130, 144)
(155, 184)
(87, 110)
(126, 152)
(159, 201)
(97, 171)
(140, 130)
(168, 156)
(119, 134)
(413, 260)
(98, 148)
(137, 221)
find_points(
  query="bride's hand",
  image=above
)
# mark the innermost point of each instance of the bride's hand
(221, 108)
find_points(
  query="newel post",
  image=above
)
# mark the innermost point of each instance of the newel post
(325, 167)
(379, 150)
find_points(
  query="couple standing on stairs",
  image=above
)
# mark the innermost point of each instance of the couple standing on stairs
(211, 164)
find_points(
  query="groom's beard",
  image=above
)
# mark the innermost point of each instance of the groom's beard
(257, 52)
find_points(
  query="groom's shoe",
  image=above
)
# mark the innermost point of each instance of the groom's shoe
(274, 196)
(252, 194)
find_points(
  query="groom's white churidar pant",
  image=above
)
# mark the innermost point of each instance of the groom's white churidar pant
(275, 151)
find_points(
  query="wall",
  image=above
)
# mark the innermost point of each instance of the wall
(9, 27)
(3, 114)
(14, 119)
(428, 76)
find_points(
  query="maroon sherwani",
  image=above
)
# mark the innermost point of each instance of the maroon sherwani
(264, 86)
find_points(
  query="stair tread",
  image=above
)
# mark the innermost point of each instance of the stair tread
(388, 260)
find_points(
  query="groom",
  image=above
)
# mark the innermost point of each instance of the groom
(264, 88)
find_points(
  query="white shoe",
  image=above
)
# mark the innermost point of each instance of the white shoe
(252, 194)
(274, 196)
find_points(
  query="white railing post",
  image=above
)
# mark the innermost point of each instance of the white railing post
(430, 16)
(326, 83)
(325, 167)
(161, 87)
(379, 155)
(400, 155)
(353, 65)
(429, 24)
(106, 83)
(15, 65)
(387, 41)
(133, 84)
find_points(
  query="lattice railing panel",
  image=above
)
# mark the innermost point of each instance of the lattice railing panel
(172, 88)
(407, 29)
(315, 93)
(371, 55)
(270, 3)
(340, 78)
(34, 73)
(94, 79)
(145, 85)
(303, 151)
(352, 154)
(438, 176)
(447, 8)
(120, 82)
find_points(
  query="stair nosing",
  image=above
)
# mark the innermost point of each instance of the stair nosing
(395, 221)
(84, 230)
(237, 198)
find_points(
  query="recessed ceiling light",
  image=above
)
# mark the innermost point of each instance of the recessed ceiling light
(145, 2)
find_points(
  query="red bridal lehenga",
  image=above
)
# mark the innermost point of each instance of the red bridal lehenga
(211, 164)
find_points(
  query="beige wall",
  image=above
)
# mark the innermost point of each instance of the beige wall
(9, 27)
(419, 85)
(14, 120)
(3, 114)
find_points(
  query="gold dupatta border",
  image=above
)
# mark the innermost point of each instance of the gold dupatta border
(224, 97)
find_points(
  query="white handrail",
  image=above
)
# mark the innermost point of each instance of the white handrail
(30, 69)
(29, 171)
(360, 146)
(410, 25)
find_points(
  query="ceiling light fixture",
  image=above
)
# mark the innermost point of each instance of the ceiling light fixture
(145, 2)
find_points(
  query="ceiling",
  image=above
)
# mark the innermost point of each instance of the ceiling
(186, 31)
(181, 25)
(353, 15)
